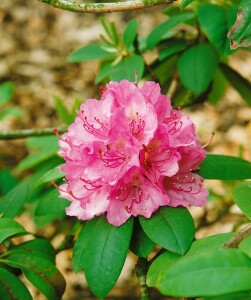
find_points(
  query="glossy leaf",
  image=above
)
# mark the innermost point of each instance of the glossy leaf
(242, 197)
(51, 175)
(164, 261)
(11, 287)
(130, 33)
(140, 244)
(104, 253)
(9, 228)
(185, 3)
(209, 273)
(162, 30)
(245, 246)
(40, 272)
(238, 82)
(197, 67)
(216, 21)
(89, 52)
(127, 67)
(225, 168)
(172, 228)
(240, 33)
(13, 201)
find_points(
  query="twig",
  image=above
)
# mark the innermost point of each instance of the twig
(141, 271)
(105, 7)
(24, 133)
(235, 241)
(173, 86)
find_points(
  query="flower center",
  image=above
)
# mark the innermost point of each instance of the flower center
(100, 130)
(111, 158)
(137, 126)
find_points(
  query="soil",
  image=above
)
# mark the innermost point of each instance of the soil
(35, 42)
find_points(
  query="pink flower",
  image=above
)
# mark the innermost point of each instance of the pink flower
(130, 153)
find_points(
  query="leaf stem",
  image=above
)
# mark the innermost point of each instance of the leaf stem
(141, 270)
(25, 133)
(235, 241)
(105, 7)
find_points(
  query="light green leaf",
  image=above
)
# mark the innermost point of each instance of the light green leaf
(89, 52)
(197, 67)
(216, 30)
(63, 112)
(7, 182)
(9, 228)
(225, 168)
(127, 67)
(238, 82)
(209, 273)
(235, 296)
(245, 246)
(51, 175)
(240, 33)
(130, 32)
(40, 272)
(10, 111)
(242, 197)
(103, 254)
(172, 228)
(11, 287)
(6, 92)
(185, 3)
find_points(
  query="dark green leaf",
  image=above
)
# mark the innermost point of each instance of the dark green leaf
(13, 201)
(209, 273)
(240, 33)
(7, 181)
(140, 244)
(104, 71)
(12, 288)
(185, 3)
(40, 272)
(6, 92)
(238, 82)
(163, 30)
(245, 245)
(242, 197)
(51, 204)
(172, 228)
(199, 246)
(9, 228)
(62, 111)
(235, 296)
(130, 33)
(39, 247)
(216, 21)
(197, 67)
(218, 87)
(127, 67)
(225, 168)
(104, 253)
(89, 52)
(51, 175)
(171, 49)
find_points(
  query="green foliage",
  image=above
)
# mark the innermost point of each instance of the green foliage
(242, 197)
(9, 228)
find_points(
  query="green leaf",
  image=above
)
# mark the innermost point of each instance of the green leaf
(163, 30)
(238, 82)
(10, 111)
(218, 87)
(9, 228)
(235, 296)
(7, 181)
(197, 67)
(89, 52)
(209, 273)
(104, 253)
(51, 175)
(242, 197)
(163, 261)
(140, 244)
(51, 204)
(6, 92)
(11, 287)
(240, 33)
(172, 228)
(47, 148)
(130, 33)
(225, 168)
(127, 67)
(39, 247)
(171, 49)
(13, 201)
(62, 111)
(104, 71)
(216, 30)
(245, 245)
(40, 272)
(185, 3)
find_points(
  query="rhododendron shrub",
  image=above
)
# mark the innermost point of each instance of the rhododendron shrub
(129, 154)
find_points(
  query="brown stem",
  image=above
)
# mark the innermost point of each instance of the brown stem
(235, 241)
(105, 7)
(141, 271)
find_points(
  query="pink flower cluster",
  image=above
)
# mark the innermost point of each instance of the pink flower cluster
(130, 153)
